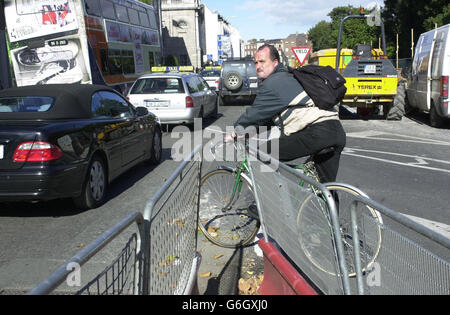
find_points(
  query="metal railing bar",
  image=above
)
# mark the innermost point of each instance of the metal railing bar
(89, 251)
(402, 219)
(158, 195)
(258, 154)
(148, 212)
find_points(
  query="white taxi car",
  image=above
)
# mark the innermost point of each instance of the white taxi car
(175, 98)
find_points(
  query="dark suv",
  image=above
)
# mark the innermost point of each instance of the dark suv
(238, 80)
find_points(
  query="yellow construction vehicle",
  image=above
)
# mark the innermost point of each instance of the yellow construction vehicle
(371, 78)
(327, 57)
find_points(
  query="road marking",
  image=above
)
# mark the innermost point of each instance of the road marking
(438, 227)
(419, 162)
(374, 135)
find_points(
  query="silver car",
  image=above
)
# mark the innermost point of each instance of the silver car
(212, 77)
(175, 98)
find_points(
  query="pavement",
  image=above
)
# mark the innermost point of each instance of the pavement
(225, 271)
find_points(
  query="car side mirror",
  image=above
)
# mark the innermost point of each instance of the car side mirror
(141, 111)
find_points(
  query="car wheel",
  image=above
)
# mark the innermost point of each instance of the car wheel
(397, 108)
(436, 121)
(156, 150)
(94, 187)
(233, 80)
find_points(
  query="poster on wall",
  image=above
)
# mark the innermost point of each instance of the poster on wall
(224, 47)
(31, 18)
(58, 61)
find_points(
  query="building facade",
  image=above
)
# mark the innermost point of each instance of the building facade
(294, 40)
(194, 35)
(284, 47)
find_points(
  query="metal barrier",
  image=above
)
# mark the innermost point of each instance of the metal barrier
(171, 217)
(118, 281)
(293, 216)
(161, 258)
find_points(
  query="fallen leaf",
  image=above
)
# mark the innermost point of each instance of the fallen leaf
(205, 274)
(213, 229)
(250, 286)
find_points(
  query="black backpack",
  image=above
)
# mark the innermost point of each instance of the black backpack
(324, 85)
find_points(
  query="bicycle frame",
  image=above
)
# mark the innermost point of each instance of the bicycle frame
(243, 167)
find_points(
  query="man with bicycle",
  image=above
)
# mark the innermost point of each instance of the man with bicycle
(305, 129)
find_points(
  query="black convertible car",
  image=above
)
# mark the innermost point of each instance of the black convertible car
(70, 140)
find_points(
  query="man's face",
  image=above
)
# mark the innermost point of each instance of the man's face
(264, 65)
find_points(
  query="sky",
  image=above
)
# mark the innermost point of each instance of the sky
(272, 19)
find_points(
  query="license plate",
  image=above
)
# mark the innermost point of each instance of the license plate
(2, 151)
(370, 68)
(157, 104)
(254, 85)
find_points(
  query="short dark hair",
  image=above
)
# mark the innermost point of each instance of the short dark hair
(274, 55)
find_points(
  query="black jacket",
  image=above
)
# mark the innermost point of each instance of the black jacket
(274, 95)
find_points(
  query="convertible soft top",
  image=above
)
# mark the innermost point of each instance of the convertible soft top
(72, 101)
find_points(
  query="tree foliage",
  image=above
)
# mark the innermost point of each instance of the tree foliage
(146, 1)
(402, 16)
(399, 16)
(356, 31)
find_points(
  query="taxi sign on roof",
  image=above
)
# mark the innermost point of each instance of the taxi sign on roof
(213, 67)
(301, 53)
(173, 69)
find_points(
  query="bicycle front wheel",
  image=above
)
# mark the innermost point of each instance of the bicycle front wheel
(224, 226)
(316, 237)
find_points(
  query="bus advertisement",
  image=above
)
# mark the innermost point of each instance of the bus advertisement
(109, 42)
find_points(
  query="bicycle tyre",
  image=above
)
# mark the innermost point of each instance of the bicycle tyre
(370, 239)
(234, 227)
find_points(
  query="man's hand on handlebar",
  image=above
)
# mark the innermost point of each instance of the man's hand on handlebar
(230, 137)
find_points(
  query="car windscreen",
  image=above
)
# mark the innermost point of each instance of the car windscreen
(158, 86)
(239, 67)
(25, 104)
(251, 70)
(210, 73)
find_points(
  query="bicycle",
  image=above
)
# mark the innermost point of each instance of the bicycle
(227, 216)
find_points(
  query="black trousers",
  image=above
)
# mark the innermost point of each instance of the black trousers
(313, 139)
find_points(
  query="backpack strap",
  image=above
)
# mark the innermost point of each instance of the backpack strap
(302, 100)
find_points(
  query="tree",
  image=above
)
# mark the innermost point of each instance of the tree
(400, 16)
(356, 31)
(321, 36)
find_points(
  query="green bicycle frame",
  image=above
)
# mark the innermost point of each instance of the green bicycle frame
(237, 183)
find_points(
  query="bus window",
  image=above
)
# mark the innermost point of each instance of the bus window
(128, 62)
(122, 14)
(144, 19)
(134, 16)
(151, 16)
(114, 61)
(108, 10)
(151, 59)
(93, 7)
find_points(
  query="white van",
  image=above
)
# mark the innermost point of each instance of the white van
(428, 82)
